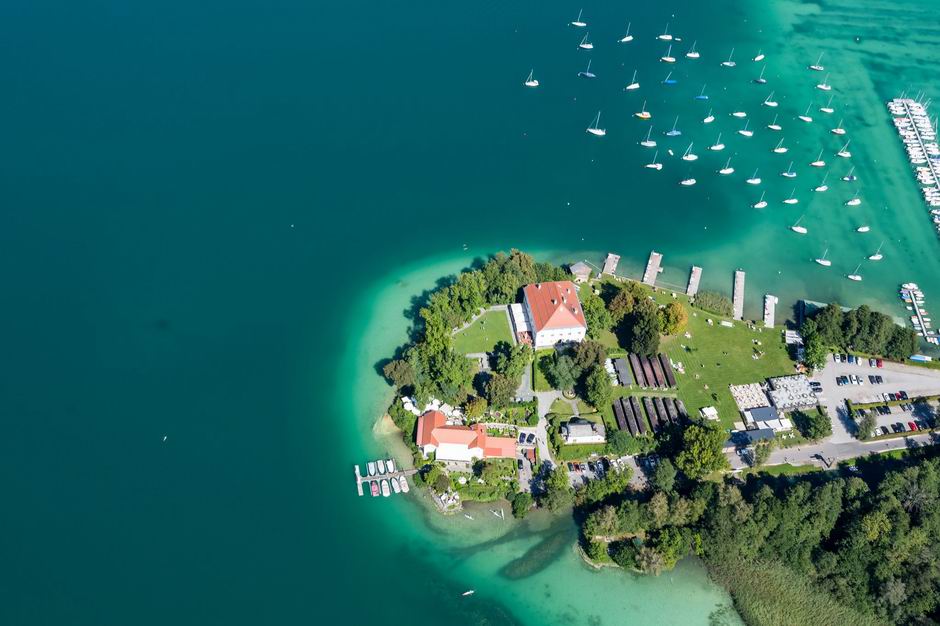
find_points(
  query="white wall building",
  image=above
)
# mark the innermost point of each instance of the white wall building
(554, 313)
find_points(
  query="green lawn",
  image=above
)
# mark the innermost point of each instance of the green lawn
(484, 333)
(539, 382)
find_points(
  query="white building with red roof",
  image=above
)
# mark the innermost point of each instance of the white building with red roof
(460, 443)
(554, 313)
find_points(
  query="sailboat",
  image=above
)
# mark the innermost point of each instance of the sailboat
(729, 62)
(692, 53)
(838, 130)
(760, 80)
(828, 108)
(739, 114)
(855, 275)
(633, 84)
(769, 101)
(823, 260)
(823, 186)
(665, 36)
(717, 146)
(844, 152)
(578, 22)
(653, 165)
(745, 132)
(753, 180)
(628, 37)
(701, 95)
(824, 86)
(877, 256)
(774, 125)
(789, 173)
(797, 228)
(585, 44)
(688, 155)
(531, 82)
(669, 80)
(819, 162)
(759, 57)
(854, 201)
(648, 143)
(862, 229)
(850, 176)
(727, 169)
(469, 592)
(708, 118)
(594, 129)
(816, 66)
(643, 113)
(668, 58)
(673, 132)
(805, 117)
(587, 73)
(687, 182)
(760, 204)
(792, 199)
(780, 148)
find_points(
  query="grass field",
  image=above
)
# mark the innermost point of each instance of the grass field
(539, 381)
(484, 333)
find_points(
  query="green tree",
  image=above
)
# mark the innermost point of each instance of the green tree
(658, 509)
(562, 372)
(813, 424)
(597, 387)
(702, 450)
(866, 425)
(815, 351)
(602, 523)
(521, 503)
(399, 372)
(499, 390)
(644, 328)
(673, 318)
(621, 305)
(596, 315)
(762, 452)
(511, 361)
(664, 476)
(620, 443)
(650, 561)
(589, 353)
(829, 324)
(875, 525)
(558, 491)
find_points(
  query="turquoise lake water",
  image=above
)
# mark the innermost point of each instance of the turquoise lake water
(216, 215)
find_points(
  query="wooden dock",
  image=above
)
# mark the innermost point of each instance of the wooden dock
(610, 263)
(770, 309)
(361, 480)
(694, 279)
(652, 269)
(738, 295)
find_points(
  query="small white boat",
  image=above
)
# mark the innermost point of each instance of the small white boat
(729, 62)
(673, 132)
(585, 44)
(844, 152)
(579, 23)
(828, 108)
(824, 86)
(862, 229)
(717, 146)
(468, 516)
(789, 173)
(855, 275)
(633, 84)
(823, 186)
(594, 129)
(838, 130)
(709, 118)
(854, 201)
(687, 182)
(469, 592)
(688, 155)
(648, 143)
(753, 180)
(643, 114)
(371, 467)
(780, 148)
(792, 199)
(404, 484)
(805, 117)
(727, 169)
(744, 132)
(386, 491)
(739, 114)
(769, 101)
(668, 58)
(587, 72)
(653, 165)
(818, 162)
(816, 67)
(823, 260)
(692, 53)
(797, 228)
(760, 204)
(396, 486)
(760, 56)
(774, 125)
(760, 80)
(628, 37)
(530, 81)
(390, 465)
(665, 36)
(380, 465)
(877, 256)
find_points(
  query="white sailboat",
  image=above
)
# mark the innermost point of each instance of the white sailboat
(753, 180)
(579, 23)
(760, 204)
(648, 143)
(687, 182)
(668, 58)
(792, 199)
(789, 173)
(653, 165)
(587, 73)
(744, 132)
(844, 152)
(863, 229)
(760, 80)
(823, 186)
(717, 146)
(797, 228)
(729, 62)
(850, 177)
(774, 125)
(877, 256)
(585, 44)
(780, 148)
(530, 81)
(838, 130)
(628, 37)
(823, 260)
(805, 117)
(819, 162)
(759, 57)
(824, 86)
(828, 108)
(665, 36)
(727, 169)
(816, 67)
(594, 129)
(855, 275)
(769, 101)
(643, 114)
(708, 118)
(633, 84)
(674, 132)
(854, 201)
(692, 53)
(688, 155)
(739, 114)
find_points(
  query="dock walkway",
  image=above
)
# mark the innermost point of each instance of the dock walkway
(610, 263)
(694, 279)
(652, 269)
(738, 297)
(360, 479)
(770, 310)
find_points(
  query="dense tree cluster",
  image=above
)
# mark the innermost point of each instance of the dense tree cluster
(860, 330)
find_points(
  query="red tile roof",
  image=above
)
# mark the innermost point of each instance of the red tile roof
(433, 430)
(554, 305)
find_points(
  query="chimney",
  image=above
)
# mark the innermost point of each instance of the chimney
(538, 285)
(554, 301)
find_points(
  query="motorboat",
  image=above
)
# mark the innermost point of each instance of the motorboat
(668, 58)
(530, 81)
(585, 44)
(692, 53)
(816, 67)
(595, 129)
(380, 466)
(469, 592)
(579, 23)
(819, 162)
(760, 204)
(633, 84)
(386, 491)
(759, 57)
(729, 62)
(688, 155)
(628, 37)
(774, 125)
(396, 486)
(753, 180)
(648, 143)
(587, 73)
(780, 148)
(727, 169)
(862, 229)
(770, 102)
(717, 146)
(404, 484)
(390, 465)
(371, 467)
(653, 165)
(374, 488)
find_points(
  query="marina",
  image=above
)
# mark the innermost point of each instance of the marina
(919, 135)
(694, 278)
(382, 477)
(652, 269)
(913, 297)
(738, 295)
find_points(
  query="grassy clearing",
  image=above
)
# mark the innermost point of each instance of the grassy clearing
(539, 382)
(484, 333)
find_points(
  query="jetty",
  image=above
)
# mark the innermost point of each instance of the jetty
(919, 136)
(914, 298)
(770, 308)
(738, 295)
(610, 263)
(652, 269)
(400, 475)
(694, 279)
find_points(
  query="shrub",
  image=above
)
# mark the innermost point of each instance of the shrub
(714, 303)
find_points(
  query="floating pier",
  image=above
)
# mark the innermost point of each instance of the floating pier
(652, 269)
(400, 475)
(770, 308)
(694, 279)
(913, 296)
(920, 140)
(610, 263)
(738, 295)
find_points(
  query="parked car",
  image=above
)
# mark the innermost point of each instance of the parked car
(871, 379)
(872, 363)
(912, 425)
(880, 363)
(570, 466)
(884, 430)
(903, 395)
(896, 427)
(592, 466)
(837, 357)
(519, 463)
(530, 438)
(879, 379)
(521, 437)
(921, 424)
